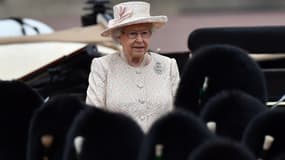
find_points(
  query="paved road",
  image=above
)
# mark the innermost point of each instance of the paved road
(173, 37)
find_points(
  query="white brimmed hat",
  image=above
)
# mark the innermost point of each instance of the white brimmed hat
(134, 12)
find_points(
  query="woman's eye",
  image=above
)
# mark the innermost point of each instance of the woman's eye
(133, 33)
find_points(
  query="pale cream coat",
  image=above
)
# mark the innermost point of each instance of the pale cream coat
(144, 93)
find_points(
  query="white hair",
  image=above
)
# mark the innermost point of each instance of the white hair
(116, 33)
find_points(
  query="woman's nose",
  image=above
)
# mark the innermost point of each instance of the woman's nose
(139, 37)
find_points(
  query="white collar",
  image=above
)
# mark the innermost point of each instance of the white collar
(145, 61)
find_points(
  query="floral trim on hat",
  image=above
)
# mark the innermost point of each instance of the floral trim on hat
(124, 13)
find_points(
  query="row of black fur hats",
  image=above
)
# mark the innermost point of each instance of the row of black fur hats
(177, 135)
(99, 134)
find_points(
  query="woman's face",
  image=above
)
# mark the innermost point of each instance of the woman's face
(135, 39)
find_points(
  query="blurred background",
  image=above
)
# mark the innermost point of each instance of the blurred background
(184, 15)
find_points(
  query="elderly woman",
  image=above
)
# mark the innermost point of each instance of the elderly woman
(137, 82)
